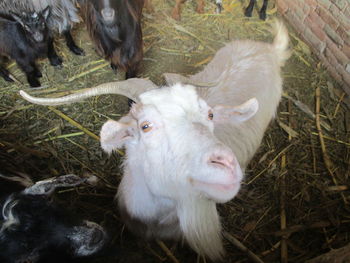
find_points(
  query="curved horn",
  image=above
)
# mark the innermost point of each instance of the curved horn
(173, 78)
(130, 88)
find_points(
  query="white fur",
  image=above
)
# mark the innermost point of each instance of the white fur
(9, 218)
(169, 176)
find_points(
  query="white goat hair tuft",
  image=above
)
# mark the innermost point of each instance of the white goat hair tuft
(9, 218)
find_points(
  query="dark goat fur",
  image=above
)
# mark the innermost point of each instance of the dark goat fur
(262, 13)
(19, 44)
(34, 229)
(119, 42)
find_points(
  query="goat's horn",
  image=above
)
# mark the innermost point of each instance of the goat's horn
(46, 187)
(130, 88)
(173, 78)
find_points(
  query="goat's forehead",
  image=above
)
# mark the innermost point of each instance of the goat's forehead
(177, 96)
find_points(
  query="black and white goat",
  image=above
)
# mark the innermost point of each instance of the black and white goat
(64, 14)
(24, 38)
(33, 229)
(187, 145)
(115, 29)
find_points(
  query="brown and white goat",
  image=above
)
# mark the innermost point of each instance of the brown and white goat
(115, 29)
(186, 146)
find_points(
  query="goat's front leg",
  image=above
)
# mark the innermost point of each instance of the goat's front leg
(262, 12)
(218, 4)
(31, 72)
(71, 44)
(200, 6)
(176, 13)
(5, 74)
(249, 10)
(55, 60)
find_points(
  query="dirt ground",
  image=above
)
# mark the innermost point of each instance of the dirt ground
(288, 182)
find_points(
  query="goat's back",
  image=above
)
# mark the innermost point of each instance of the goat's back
(241, 70)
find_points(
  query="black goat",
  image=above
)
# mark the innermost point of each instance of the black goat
(115, 29)
(25, 38)
(33, 229)
(64, 14)
(262, 13)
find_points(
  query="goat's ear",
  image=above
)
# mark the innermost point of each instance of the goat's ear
(114, 134)
(48, 186)
(46, 12)
(17, 18)
(236, 114)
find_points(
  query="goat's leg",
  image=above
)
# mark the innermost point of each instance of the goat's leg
(5, 74)
(200, 6)
(218, 4)
(249, 10)
(176, 13)
(36, 71)
(71, 44)
(262, 12)
(114, 67)
(55, 60)
(31, 71)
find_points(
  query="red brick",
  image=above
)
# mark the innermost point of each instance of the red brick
(300, 13)
(346, 50)
(316, 29)
(333, 35)
(327, 17)
(316, 19)
(333, 71)
(344, 34)
(295, 22)
(331, 58)
(341, 4)
(311, 3)
(282, 6)
(325, 3)
(338, 53)
(317, 44)
(340, 16)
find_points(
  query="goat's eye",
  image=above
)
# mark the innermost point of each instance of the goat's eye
(210, 115)
(146, 126)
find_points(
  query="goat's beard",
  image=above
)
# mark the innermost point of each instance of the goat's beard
(201, 227)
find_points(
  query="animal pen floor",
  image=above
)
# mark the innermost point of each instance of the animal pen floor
(288, 180)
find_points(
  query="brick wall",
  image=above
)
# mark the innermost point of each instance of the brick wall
(325, 26)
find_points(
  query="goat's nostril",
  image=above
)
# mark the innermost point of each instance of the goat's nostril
(97, 237)
(220, 160)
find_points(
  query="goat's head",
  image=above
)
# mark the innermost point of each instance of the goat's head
(32, 227)
(34, 24)
(169, 138)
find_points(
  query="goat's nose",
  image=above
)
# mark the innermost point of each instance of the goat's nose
(108, 14)
(222, 159)
(97, 237)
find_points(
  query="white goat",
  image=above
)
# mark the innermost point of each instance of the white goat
(178, 165)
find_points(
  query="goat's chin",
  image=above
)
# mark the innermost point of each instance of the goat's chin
(219, 193)
(217, 184)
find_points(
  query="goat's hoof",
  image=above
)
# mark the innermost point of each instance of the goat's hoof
(34, 83)
(77, 51)
(176, 15)
(262, 16)
(248, 13)
(8, 78)
(114, 67)
(56, 61)
(38, 74)
(218, 8)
